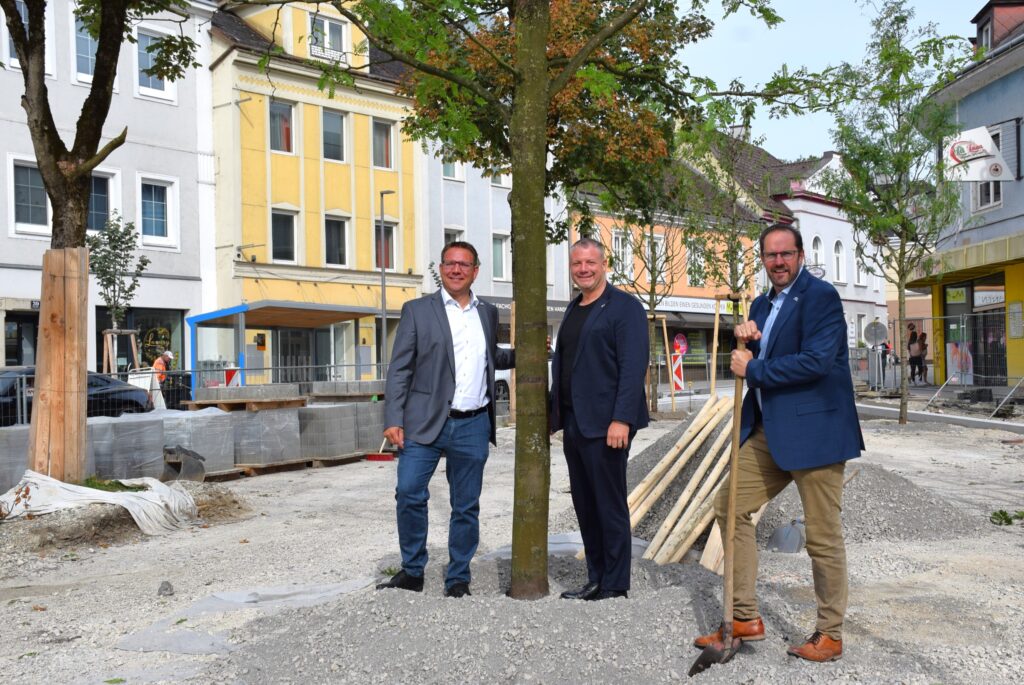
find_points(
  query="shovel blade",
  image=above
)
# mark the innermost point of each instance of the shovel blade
(715, 653)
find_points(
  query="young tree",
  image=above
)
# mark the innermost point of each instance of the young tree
(527, 85)
(112, 259)
(894, 191)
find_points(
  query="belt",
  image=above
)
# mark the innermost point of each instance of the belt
(456, 414)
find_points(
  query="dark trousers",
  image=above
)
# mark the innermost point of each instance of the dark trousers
(597, 476)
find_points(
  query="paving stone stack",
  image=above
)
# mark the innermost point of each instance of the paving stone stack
(209, 432)
(369, 425)
(13, 456)
(275, 391)
(327, 430)
(264, 437)
(130, 446)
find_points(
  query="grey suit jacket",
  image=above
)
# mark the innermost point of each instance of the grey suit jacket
(421, 376)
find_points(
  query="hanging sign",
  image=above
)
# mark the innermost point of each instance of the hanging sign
(973, 156)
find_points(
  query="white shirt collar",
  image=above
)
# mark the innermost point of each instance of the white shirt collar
(447, 298)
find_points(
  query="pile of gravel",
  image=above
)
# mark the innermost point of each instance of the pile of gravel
(880, 505)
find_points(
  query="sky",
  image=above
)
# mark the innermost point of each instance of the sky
(815, 33)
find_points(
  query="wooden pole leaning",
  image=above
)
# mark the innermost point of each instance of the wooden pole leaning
(714, 349)
(704, 516)
(668, 360)
(713, 456)
(655, 474)
(659, 489)
(679, 531)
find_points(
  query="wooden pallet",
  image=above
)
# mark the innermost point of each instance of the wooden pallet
(247, 405)
(298, 464)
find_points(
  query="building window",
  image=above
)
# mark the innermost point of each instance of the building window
(498, 178)
(382, 144)
(154, 210)
(99, 204)
(327, 39)
(280, 126)
(12, 54)
(989, 194)
(500, 258)
(282, 228)
(985, 36)
(860, 326)
(384, 252)
(452, 235)
(622, 255)
(334, 135)
(149, 85)
(839, 262)
(657, 257)
(31, 206)
(334, 241)
(451, 170)
(159, 330)
(85, 52)
(695, 268)
(816, 259)
(861, 274)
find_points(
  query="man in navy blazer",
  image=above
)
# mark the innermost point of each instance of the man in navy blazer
(799, 424)
(598, 398)
(439, 399)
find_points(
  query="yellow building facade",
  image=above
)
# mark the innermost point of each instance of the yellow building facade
(315, 192)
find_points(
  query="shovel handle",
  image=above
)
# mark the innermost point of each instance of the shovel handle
(728, 540)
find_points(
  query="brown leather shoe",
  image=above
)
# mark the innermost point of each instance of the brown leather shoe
(819, 647)
(748, 631)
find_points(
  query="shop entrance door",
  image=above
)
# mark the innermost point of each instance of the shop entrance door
(20, 333)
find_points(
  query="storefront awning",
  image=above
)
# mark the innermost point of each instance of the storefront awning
(694, 320)
(284, 314)
(969, 262)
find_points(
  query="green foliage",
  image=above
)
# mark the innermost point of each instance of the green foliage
(112, 259)
(1001, 517)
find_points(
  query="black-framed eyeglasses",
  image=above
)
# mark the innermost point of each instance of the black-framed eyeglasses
(465, 266)
(786, 255)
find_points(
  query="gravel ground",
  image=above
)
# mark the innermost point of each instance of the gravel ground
(935, 592)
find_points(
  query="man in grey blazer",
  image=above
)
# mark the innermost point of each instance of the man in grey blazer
(439, 399)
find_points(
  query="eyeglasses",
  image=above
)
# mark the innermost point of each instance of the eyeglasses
(788, 255)
(465, 266)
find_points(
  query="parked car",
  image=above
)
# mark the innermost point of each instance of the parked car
(106, 396)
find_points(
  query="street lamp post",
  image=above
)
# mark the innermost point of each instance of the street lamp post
(383, 285)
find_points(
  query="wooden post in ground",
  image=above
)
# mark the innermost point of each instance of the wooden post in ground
(668, 362)
(57, 437)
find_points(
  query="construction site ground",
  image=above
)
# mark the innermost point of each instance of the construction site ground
(276, 584)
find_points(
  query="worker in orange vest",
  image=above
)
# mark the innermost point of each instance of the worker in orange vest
(161, 364)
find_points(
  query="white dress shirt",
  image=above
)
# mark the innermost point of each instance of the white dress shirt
(777, 302)
(470, 353)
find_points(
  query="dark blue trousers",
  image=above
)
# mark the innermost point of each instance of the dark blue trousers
(597, 476)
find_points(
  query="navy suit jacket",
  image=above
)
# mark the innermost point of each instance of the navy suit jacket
(808, 409)
(609, 368)
(421, 375)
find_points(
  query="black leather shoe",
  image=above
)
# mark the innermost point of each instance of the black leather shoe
(608, 594)
(584, 592)
(403, 581)
(457, 590)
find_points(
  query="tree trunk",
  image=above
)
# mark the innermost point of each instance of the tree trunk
(902, 350)
(57, 437)
(528, 137)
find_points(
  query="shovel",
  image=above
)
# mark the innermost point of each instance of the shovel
(721, 652)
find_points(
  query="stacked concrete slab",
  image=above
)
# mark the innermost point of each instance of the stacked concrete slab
(266, 437)
(348, 388)
(369, 425)
(209, 432)
(327, 430)
(276, 391)
(13, 456)
(129, 446)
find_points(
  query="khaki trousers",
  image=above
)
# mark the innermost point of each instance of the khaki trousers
(821, 491)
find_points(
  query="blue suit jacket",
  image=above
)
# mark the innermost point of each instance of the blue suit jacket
(808, 409)
(421, 375)
(609, 368)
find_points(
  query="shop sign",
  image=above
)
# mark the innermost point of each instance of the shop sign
(956, 295)
(987, 298)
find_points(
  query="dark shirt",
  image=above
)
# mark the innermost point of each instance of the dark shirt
(569, 342)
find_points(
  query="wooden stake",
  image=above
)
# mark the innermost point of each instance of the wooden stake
(713, 558)
(713, 455)
(714, 350)
(658, 490)
(668, 360)
(704, 517)
(655, 474)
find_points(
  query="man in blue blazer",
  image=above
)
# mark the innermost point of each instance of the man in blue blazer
(439, 398)
(799, 424)
(598, 398)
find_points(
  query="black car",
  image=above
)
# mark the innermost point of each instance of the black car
(107, 396)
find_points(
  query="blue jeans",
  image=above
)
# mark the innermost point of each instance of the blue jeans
(464, 443)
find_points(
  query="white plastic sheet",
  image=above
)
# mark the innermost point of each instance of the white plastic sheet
(158, 510)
